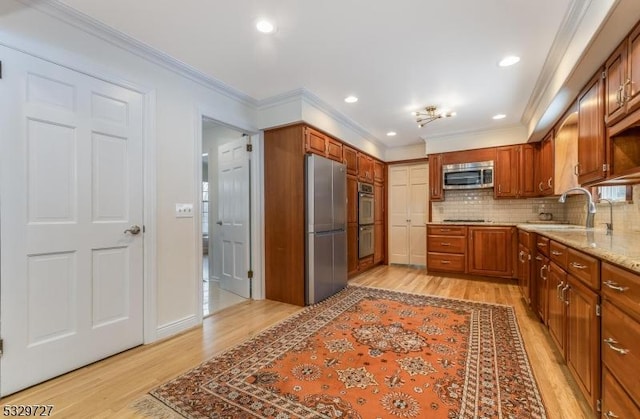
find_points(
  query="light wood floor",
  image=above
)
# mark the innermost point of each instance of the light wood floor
(107, 388)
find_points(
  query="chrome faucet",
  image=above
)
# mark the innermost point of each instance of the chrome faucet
(591, 206)
(610, 223)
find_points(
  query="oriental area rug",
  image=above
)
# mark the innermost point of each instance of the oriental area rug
(367, 353)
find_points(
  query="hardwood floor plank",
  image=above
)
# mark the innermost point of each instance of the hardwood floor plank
(107, 389)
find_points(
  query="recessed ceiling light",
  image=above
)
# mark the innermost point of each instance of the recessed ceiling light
(510, 60)
(391, 134)
(265, 26)
(351, 99)
(499, 116)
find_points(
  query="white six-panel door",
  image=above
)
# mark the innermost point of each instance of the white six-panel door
(408, 213)
(70, 185)
(233, 213)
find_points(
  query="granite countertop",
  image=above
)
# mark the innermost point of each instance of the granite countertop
(620, 248)
(475, 223)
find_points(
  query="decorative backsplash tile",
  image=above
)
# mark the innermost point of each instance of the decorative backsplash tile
(480, 204)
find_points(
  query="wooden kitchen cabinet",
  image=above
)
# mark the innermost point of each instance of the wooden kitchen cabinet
(524, 272)
(546, 166)
(352, 250)
(379, 169)
(446, 248)
(622, 71)
(436, 193)
(491, 251)
(556, 319)
(583, 338)
(379, 224)
(591, 132)
(527, 170)
(365, 168)
(506, 171)
(323, 145)
(540, 275)
(350, 158)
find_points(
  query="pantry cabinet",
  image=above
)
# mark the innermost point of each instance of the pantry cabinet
(436, 193)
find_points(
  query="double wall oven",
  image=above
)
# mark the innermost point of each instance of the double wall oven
(365, 219)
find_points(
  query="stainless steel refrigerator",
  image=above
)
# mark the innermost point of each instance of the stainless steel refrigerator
(326, 207)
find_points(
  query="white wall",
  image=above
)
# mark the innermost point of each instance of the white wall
(516, 134)
(409, 152)
(177, 101)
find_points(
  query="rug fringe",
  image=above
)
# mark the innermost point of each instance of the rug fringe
(150, 407)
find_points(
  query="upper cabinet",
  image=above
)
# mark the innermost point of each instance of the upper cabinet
(506, 170)
(546, 166)
(378, 171)
(622, 87)
(321, 144)
(350, 157)
(591, 133)
(365, 168)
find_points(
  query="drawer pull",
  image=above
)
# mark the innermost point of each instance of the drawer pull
(556, 253)
(615, 286)
(445, 262)
(445, 229)
(541, 244)
(542, 269)
(561, 284)
(578, 265)
(564, 290)
(445, 244)
(610, 415)
(612, 342)
(538, 257)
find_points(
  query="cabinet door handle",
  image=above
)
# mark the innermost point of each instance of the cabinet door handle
(540, 187)
(521, 256)
(499, 188)
(550, 182)
(615, 286)
(610, 415)
(538, 257)
(612, 342)
(561, 284)
(564, 290)
(578, 265)
(576, 169)
(556, 253)
(625, 91)
(619, 95)
(542, 269)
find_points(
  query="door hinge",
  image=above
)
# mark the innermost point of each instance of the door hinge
(1, 346)
(0, 69)
(598, 310)
(599, 405)
(249, 147)
(605, 167)
(250, 274)
(144, 228)
(604, 75)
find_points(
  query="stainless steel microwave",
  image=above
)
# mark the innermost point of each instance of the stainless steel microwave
(468, 175)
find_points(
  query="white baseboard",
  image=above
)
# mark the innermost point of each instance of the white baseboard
(173, 328)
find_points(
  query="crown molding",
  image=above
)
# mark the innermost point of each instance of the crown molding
(504, 128)
(561, 42)
(89, 25)
(304, 95)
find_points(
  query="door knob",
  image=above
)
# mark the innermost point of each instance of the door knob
(134, 229)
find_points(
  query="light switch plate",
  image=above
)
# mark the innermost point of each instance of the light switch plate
(184, 210)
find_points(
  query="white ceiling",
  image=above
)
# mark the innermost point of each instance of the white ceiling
(396, 56)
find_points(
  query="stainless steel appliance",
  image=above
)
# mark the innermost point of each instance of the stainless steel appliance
(468, 175)
(326, 261)
(365, 203)
(365, 219)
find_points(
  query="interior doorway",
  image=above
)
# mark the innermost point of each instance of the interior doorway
(225, 217)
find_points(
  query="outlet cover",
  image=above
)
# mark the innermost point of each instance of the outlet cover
(184, 210)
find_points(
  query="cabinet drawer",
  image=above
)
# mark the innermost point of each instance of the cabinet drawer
(584, 267)
(616, 403)
(542, 244)
(620, 337)
(445, 262)
(443, 230)
(622, 288)
(558, 254)
(447, 244)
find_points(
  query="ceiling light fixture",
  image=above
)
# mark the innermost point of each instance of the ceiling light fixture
(351, 99)
(430, 114)
(391, 134)
(508, 61)
(499, 116)
(265, 26)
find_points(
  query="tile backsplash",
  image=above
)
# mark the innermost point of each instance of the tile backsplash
(480, 204)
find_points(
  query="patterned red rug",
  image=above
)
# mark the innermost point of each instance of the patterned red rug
(369, 353)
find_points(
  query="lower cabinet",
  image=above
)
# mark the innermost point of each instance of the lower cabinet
(524, 271)
(490, 251)
(556, 306)
(446, 248)
(352, 249)
(540, 279)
